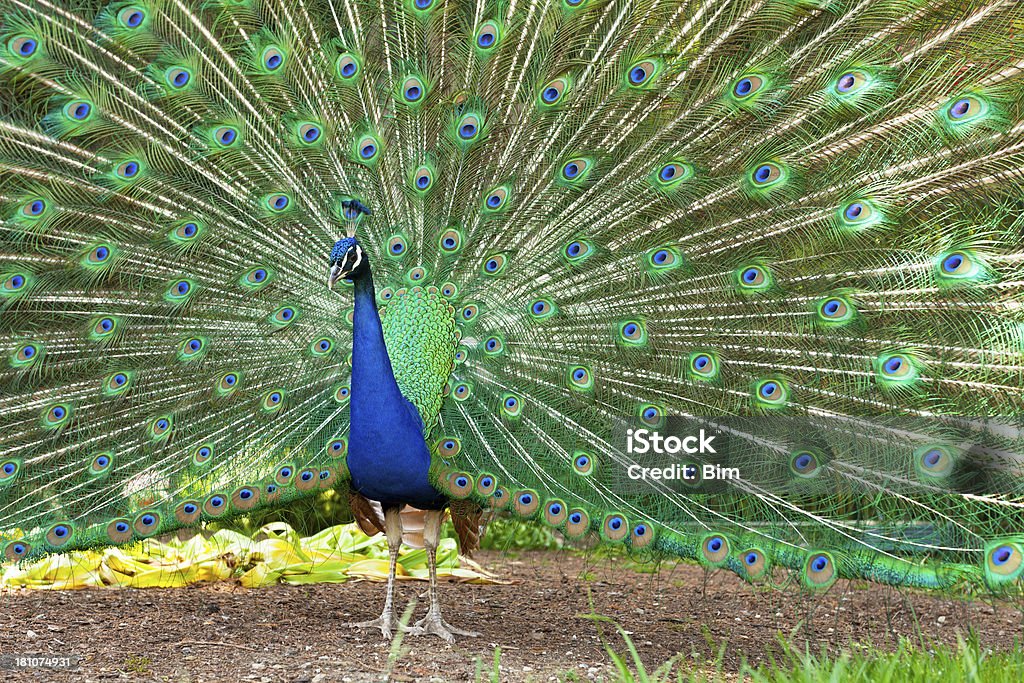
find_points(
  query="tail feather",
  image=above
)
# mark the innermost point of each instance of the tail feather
(726, 210)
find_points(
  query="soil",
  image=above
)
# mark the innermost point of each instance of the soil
(222, 632)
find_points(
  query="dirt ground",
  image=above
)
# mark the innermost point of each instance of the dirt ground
(223, 632)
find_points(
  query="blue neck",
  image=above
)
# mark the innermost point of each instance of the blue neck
(373, 381)
(388, 458)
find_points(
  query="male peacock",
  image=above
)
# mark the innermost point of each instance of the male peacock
(582, 211)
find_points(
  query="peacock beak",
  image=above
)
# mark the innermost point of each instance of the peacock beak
(334, 275)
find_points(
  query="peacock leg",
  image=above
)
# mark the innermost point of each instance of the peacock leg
(433, 623)
(393, 531)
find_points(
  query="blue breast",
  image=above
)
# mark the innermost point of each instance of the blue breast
(388, 456)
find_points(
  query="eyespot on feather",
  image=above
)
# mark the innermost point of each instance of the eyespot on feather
(496, 199)
(554, 92)
(494, 264)
(714, 550)
(188, 512)
(805, 463)
(641, 536)
(615, 527)
(450, 242)
(583, 463)
(577, 524)
(347, 67)
(215, 505)
(460, 485)
(934, 462)
(555, 513)
(15, 551)
(526, 503)
(754, 564)
(147, 523)
(60, 534)
(631, 333)
(819, 571)
(511, 405)
(202, 455)
(703, 365)
(486, 485)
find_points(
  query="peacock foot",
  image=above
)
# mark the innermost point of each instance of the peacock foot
(433, 624)
(386, 622)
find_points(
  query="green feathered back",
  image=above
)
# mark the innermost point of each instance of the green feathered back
(803, 209)
(420, 335)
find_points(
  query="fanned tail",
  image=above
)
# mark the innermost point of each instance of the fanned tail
(798, 221)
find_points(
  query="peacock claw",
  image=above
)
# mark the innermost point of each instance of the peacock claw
(385, 622)
(433, 624)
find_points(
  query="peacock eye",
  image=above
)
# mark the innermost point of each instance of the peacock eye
(542, 308)
(178, 77)
(747, 86)
(128, 169)
(494, 265)
(347, 66)
(575, 169)
(309, 133)
(396, 245)
(450, 241)
(553, 93)
(965, 108)
(23, 46)
(423, 178)
(651, 415)
(834, 308)
(642, 73)
(496, 198)
(895, 365)
(753, 278)
(766, 174)
(131, 17)
(672, 172)
(78, 110)
(34, 208)
(468, 127)
(819, 563)
(581, 378)
(413, 89)
(804, 463)
(851, 82)
(272, 58)
(368, 149)
(487, 36)
(632, 332)
(704, 365)
(225, 136)
(278, 202)
(583, 463)
(493, 346)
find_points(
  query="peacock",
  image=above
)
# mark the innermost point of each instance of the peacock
(451, 255)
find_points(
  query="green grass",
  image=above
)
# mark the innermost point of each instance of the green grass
(967, 662)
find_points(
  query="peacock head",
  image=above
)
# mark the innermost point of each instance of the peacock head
(347, 261)
(347, 258)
